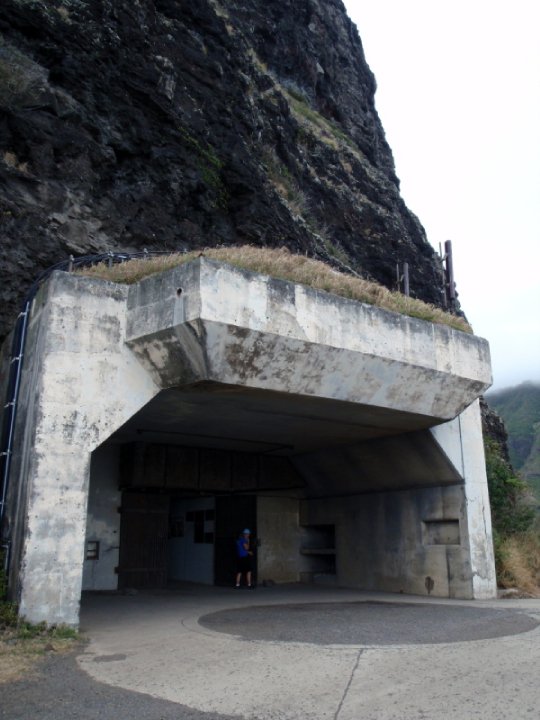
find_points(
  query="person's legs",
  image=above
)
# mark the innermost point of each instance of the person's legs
(248, 578)
(238, 578)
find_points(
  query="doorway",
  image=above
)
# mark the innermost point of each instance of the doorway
(233, 514)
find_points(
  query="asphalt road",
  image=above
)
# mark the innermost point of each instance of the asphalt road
(59, 690)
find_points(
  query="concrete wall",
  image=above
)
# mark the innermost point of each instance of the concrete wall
(103, 520)
(435, 540)
(384, 540)
(279, 535)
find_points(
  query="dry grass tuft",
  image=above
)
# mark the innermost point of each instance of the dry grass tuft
(19, 657)
(281, 263)
(519, 563)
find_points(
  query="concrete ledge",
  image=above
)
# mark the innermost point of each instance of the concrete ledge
(240, 328)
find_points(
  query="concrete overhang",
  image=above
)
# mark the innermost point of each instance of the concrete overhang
(242, 355)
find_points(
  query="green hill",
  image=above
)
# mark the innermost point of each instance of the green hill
(519, 407)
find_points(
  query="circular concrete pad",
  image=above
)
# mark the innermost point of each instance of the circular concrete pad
(369, 623)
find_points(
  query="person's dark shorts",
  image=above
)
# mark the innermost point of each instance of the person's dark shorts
(243, 564)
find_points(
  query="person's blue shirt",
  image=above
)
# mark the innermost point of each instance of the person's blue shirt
(241, 546)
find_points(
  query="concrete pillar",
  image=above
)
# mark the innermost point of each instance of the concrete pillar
(279, 534)
(462, 441)
(80, 384)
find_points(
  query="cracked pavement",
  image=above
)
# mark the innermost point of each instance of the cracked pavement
(341, 654)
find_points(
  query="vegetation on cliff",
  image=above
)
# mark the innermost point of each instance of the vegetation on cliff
(182, 125)
(515, 529)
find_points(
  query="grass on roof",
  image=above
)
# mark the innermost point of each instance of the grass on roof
(281, 263)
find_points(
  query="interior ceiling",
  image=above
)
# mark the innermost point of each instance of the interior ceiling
(248, 420)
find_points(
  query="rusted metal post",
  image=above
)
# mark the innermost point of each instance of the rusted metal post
(444, 294)
(450, 284)
(406, 288)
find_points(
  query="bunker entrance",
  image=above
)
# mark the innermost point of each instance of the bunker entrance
(159, 514)
(167, 538)
(333, 492)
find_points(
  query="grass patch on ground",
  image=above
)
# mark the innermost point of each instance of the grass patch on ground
(281, 263)
(23, 644)
(22, 648)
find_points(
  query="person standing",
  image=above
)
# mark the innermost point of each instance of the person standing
(244, 558)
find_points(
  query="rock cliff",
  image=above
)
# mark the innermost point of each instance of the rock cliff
(188, 123)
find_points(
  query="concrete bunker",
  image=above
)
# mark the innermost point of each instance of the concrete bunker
(207, 398)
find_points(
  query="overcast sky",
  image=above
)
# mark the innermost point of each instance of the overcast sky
(459, 98)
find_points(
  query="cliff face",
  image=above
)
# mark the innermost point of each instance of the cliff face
(188, 123)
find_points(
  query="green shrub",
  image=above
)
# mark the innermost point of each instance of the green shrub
(8, 610)
(8, 614)
(511, 504)
(516, 543)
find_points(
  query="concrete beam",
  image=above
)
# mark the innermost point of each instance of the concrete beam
(214, 322)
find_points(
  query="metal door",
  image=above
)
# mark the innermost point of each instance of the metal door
(143, 540)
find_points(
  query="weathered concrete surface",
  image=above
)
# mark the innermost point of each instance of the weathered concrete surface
(103, 520)
(226, 323)
(462, 441)
(157, 646)
(98, 353)
(388, 539)
(278, 527)
(382, 544)
(80, 381)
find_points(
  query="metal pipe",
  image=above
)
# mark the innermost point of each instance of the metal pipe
(10, 414)
(11, 406)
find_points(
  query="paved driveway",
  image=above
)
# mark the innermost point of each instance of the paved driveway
(286, 653)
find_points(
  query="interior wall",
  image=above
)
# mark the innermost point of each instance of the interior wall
(279, 539)
(103, 520)
(412, 541)
(189, 558)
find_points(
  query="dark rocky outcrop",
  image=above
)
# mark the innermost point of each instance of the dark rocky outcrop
(494, 429)
(186, 123)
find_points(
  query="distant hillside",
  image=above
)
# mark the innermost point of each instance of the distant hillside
(519, 407)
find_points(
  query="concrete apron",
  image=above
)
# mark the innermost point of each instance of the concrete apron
(153, 644)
